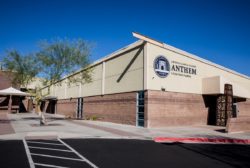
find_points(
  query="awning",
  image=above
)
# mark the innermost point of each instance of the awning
(50, 98)
(13, 91)
(215, 85)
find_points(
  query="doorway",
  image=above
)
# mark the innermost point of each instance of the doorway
(51, 108)
(210, 103)
(140, 109)
(79, 108)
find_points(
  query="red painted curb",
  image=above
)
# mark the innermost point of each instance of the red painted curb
(201, 140)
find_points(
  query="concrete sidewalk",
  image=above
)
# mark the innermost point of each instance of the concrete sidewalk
(187, 131)
(28, 125)
(5, 124)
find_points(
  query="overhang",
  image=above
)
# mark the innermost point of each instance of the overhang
(50, 98)
(215, 85)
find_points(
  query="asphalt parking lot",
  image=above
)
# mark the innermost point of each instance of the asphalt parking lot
(122, 153)
(13, 154)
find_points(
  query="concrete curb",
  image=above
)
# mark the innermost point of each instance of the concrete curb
(202, 140)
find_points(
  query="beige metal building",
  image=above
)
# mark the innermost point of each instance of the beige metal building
(152, 84)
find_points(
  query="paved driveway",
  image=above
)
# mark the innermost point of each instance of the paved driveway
(101, 144)
(113, 153)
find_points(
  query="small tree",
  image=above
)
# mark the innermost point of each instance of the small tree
(55, 59)
(22, 68)
(61, 57)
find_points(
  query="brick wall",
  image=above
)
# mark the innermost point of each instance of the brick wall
(244, 108)
(242, 122)
(117, 108)
(174, 109)
(161, 108)
(239, 124)
(5, 81)
(66, 107)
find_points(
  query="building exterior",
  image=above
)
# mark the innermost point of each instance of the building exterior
(5, 79)
(152, 84)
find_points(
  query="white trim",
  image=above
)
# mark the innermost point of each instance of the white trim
(34, 147)
(103, 77)
(57, 157)
(145, 67)
(28, 154)
(65, 88)
(44, 143)
(78, 154)
(80, 89)
(48, 165)
(147, 39)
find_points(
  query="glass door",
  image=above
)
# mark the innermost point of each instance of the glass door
(140, 109)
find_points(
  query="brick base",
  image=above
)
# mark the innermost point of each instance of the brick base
(117, 108)
(244, 108)
(5, 78)
(174, 109)
(66, 107)
(162, 109)
(240, 124)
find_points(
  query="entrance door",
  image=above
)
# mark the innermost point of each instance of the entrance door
(49, 106)
(210, 103)
(79, 108)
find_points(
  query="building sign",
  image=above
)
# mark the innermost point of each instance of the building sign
(162, 68)
(183, 69)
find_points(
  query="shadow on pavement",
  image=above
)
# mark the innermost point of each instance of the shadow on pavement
(232, 155)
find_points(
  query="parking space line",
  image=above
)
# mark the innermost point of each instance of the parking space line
(34, 147)
(48, 165)
(46, 143)
(60, 142)
(28, 154)
(58, 157)
(78, 154)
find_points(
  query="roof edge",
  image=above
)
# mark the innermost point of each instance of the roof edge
(187, 54)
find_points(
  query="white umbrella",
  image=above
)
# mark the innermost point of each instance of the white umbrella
(13, 91)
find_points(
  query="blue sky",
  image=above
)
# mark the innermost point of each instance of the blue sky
(217, 30)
